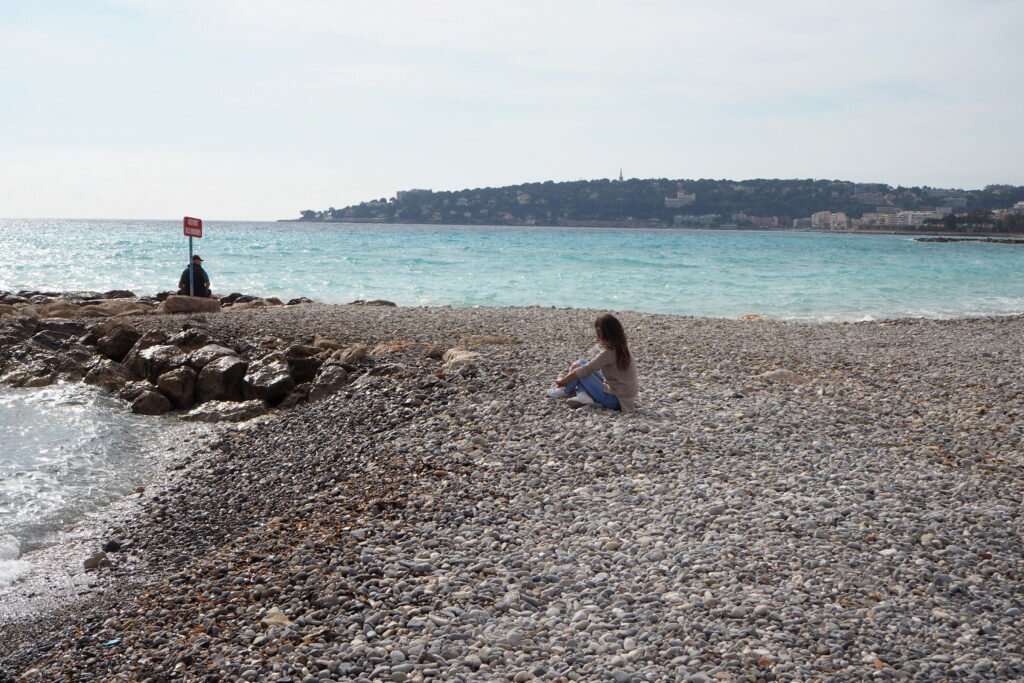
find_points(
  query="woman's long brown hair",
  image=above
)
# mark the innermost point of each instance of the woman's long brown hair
(610, 334)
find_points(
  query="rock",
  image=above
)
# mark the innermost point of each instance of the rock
(112, 545)
(352, 354)
(116, 308)
(97, 560)
(190, 339)
(300, 394)
(226, 411)
(131, 391)
(49, 339)
(221, 379)
(202, 357)
(179, 386)
(177, 303)
(787, 376)
(302, 362)
(332, 376)
(299, 300)
(150, 363)
(66, 328)
(433, 352)
(119, 294)
(326, 343)
(275, 617)
(269, 378)
(118, 341)
(274, 301)
(108, 375)
(461, 359)
(373, 302)
(150, 402)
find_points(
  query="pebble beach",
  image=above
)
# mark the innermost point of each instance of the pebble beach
(791, 501)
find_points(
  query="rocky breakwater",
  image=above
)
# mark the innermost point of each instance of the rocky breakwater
(790, 502)
(95, 338)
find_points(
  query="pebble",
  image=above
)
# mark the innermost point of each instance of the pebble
(864, 524)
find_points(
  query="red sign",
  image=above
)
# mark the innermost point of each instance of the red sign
(193, 227)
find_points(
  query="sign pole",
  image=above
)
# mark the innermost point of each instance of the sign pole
(193, 228)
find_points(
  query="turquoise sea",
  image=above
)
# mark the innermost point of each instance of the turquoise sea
(66, 451)
(790, 275)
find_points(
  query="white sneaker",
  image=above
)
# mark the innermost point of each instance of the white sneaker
(559, 392)
(580, 399)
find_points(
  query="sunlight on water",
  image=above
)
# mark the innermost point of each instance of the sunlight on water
(66, 451)
(809, 276)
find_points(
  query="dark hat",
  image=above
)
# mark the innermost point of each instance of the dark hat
(197, 257)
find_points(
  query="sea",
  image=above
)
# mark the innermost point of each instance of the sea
(67, 451)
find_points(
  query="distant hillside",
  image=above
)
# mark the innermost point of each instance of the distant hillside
(661, 202)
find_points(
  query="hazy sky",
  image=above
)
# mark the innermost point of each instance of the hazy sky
(253, 109)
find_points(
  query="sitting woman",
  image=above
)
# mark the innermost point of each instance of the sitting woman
(609, 378)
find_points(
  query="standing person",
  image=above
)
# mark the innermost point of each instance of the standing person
(200, 282)
(609, 378)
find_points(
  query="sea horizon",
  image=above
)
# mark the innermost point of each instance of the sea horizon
(784, 274)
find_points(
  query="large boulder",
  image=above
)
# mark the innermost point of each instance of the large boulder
(118, 341)
(202, 357)
(269, 378)
(177, 303)
(332, 376)
(303, 362)
(179, 386)
(108, 375)
(226, 411)
(154, 361)
(221, 379)
(151, 402)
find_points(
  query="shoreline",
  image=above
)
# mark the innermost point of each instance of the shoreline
(614, 225)
(369, 491)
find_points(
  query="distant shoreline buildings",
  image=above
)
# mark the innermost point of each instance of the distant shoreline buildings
(760, 204)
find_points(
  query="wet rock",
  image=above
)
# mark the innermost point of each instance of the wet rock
(97, 560)
(179, 386)
(299, 300)
(112, 545)
(226, 411)
(48, 339)
(221, 379)
(269, 378)
(202, 357)
(151, 362)
(151, 402)
(118, 341)
(108, 375)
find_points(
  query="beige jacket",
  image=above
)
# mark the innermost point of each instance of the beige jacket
(623, 384)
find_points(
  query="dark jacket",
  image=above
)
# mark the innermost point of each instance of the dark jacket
(201, 283)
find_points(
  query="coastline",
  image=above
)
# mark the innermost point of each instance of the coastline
(478, 530)
(625, 225)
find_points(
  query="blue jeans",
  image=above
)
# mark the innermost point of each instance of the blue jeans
(593, 384)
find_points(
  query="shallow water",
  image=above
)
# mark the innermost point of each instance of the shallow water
(804, 276)
(66, 451)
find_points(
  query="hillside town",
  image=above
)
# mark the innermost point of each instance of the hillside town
(822, 205)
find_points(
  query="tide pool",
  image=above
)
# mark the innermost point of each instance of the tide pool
(789, 275)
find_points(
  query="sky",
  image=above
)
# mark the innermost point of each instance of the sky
(256, 110)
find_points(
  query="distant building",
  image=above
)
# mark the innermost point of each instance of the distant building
(802, 223)
(1018, 207)
(680, 200)
(826, 220)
